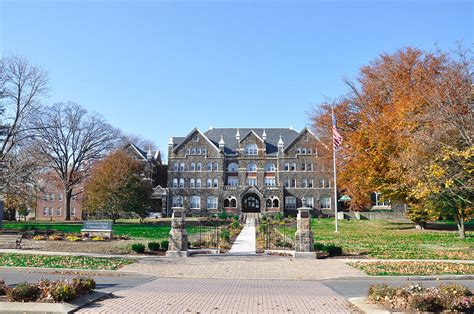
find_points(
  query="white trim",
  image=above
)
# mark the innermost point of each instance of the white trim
(190, 134)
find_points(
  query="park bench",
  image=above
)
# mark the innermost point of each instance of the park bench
(12, 238)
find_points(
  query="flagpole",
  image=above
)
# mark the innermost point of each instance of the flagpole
(335, 178)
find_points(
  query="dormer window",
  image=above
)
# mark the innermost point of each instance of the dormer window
(251, 149)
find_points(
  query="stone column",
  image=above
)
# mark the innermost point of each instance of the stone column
(1, 211)
(178, 238)
(304, 236)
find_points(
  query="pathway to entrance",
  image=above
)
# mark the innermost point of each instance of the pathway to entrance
(245, 242)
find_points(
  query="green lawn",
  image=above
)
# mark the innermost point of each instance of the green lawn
(382, 239)
(57, 261)
(155, 231)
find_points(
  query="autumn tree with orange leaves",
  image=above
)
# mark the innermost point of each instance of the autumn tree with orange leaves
(403, 114)
(117, 189)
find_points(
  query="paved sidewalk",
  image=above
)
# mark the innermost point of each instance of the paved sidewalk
(245, 242)
(166, 295)
(244, 267)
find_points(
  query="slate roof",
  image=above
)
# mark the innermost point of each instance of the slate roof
(231, 144)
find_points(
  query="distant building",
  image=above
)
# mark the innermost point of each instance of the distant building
(50, 202)
(273, 170)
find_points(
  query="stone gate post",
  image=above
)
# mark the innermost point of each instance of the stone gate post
(304, 236)
(178, 237)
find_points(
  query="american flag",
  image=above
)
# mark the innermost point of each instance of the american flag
(336, 137)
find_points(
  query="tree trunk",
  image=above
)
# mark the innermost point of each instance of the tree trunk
(460, 223)
(67, 209)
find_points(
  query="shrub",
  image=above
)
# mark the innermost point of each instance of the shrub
(225, 235)
(55, 237)
(63, 292)
(83, 285)
(332, 250)
(97, 239)
(318, 246)
(154, 246)
(235, 217)
(3, 287)
(451, 294)
(380, 293)
(73, 238)
(279, 216)
(23, 292)
(165, 244)
(235, 225)
(463, 304)
(138, 248)
(39, 238)
(262, 228)
(222, 215)
(426, 302)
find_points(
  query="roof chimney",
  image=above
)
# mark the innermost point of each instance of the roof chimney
(221, 144)
(210, 127)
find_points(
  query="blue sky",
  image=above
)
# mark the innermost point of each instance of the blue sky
(160, 68)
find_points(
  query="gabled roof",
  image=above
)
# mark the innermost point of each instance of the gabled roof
(251, 132)
(139, 152)
(231, 143)
(299, 136)
(182, 140)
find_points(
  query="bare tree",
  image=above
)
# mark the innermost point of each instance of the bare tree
(71, 140)
(22, 86)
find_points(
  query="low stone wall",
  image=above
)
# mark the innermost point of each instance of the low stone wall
(370, 215)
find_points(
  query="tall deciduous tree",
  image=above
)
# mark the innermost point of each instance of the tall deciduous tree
(22, 87)
(407, 124)
(116, 187)
(71, 140)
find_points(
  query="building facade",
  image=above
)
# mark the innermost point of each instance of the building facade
(272, 170)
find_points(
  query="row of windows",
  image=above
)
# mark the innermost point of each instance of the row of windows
(51, 197)
(307, 183)
(48, 211)
(304, 150)
(196, 151)
(293, 166)
(195, 183)
(290, 202)
(196, 166)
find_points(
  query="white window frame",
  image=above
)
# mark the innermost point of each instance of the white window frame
(209, 183)
(212, 202)
(250, 167)
(290, 202)
(198, 183)
(233, 167)
(251, 149)
(252, 181)
(270, 181)
(233, 181)
(215, 183)
(325, 202)
(175, 183)
(182, 166)
(195, 200)
(270, 167)
(181, 183)
(192, 183)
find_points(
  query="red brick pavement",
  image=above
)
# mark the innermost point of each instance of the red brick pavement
(181, 295)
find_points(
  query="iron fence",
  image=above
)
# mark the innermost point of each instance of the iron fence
(278, 236)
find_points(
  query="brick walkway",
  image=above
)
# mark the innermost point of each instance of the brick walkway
(244, 267)
(173, 295)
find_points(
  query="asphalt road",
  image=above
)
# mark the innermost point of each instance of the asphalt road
(107, 282)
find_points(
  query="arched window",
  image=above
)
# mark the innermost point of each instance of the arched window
(198, 183)
(233, 202)
(252, 167)
(198, 166)
(209, 183)
(269, 203)
(193, 166)
(175, 183)
(276, 203)
(175, 166)
(209, 166)
(226, 203)
(270, 167)
(192, 183)
(216, 183)
(251, 149)
(233, 167)
(181, 166)
(216, 166)
(181, 183)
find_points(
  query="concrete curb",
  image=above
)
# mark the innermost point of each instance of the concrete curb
(366, 307)
(34, 252)
(411, 278)
(36, 307)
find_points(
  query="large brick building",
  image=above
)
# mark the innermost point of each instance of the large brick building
(247, 170)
